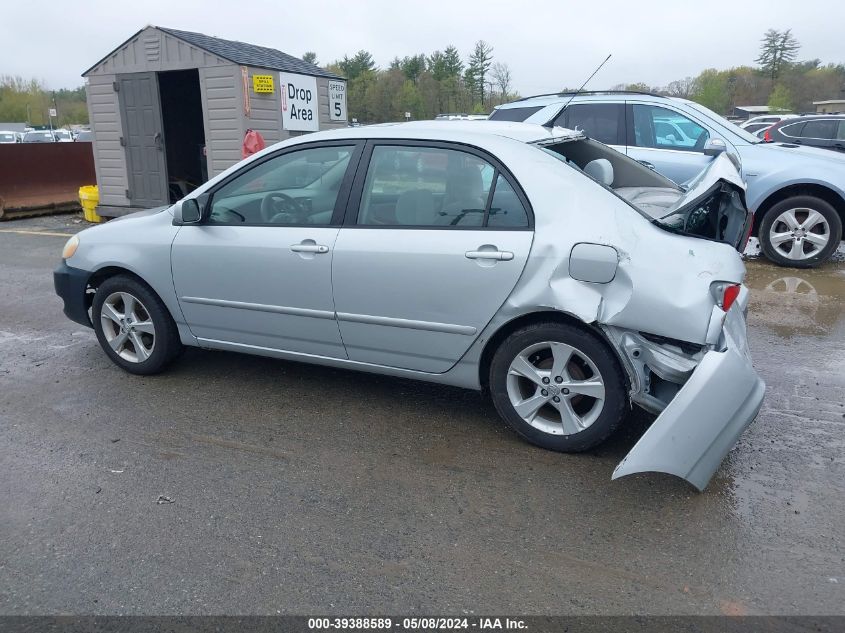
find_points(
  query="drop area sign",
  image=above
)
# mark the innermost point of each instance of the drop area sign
(299, 102)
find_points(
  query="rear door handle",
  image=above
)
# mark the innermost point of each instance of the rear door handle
(647, 164)
(500, 256)
(309, 248)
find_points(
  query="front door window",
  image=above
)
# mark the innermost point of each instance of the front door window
(661, 128)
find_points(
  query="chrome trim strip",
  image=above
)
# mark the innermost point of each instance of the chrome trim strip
(447, 328)
(261, 307)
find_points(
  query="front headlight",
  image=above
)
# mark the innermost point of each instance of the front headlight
(70, 247)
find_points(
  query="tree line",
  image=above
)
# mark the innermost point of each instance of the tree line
(28, 100)
(423, 85)
(426, 85)
(778, 80)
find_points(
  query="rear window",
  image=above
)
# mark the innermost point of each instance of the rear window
(514, 114)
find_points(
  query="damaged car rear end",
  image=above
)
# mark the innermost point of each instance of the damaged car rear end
(666, 290)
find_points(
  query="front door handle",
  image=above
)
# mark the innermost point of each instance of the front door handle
(499, 256)
(309, 248)
(647, 164)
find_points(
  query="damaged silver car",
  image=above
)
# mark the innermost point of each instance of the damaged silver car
(561, 277)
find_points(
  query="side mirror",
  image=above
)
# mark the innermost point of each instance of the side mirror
(714, 147)
(186, 212)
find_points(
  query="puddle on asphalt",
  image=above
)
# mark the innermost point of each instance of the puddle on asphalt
(794, 302)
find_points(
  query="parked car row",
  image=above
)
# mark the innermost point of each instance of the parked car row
(45, 136)
(796, 192)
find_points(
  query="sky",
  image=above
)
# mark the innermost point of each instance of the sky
(547, 44)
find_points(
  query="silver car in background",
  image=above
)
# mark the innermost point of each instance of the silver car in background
(561, 277)
(797, 194)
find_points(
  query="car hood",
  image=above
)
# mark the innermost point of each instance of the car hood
(141, 214)
(786, 153)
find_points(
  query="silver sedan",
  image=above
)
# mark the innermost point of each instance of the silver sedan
(561, 277)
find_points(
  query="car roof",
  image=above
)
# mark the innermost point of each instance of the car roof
(599, 95)
(470, 132)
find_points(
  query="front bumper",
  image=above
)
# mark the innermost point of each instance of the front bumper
(71, 285)
(703, 421)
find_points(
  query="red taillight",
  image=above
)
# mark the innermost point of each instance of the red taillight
(729, 296)
(767, 137)
(748, 234)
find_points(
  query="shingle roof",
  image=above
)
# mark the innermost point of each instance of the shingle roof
(250, 55)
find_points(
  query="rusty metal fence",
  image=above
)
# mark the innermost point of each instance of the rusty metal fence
(40, 178)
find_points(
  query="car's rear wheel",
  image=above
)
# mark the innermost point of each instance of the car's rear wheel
(558, 386)
(801, 232)
(133, 326)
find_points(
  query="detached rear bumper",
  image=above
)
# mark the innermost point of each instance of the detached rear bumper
(703, 421)
(71, 285)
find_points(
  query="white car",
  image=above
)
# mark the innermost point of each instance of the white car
(756, 123)
(565, 279)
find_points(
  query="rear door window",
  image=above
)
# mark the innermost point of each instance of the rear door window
(418, 186)
(820, 129)
(604, 122)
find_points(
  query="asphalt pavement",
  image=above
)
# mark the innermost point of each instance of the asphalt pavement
(241, 485)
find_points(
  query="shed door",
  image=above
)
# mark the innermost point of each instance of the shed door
(140, 113)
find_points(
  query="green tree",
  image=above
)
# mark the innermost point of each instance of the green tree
(310, 57)
(777, 50)
(408, 100)
(781, 99)
(452, 62)
(712, 90)
(412, 67)
(478, 67)
(352, 67)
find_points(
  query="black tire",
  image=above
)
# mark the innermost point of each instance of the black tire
(777, 254)
(164, 344)
(586, 344)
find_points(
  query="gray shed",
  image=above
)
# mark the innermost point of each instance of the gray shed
(169, 109)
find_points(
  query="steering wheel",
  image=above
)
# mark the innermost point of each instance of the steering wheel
(701, 140)
(277, 203)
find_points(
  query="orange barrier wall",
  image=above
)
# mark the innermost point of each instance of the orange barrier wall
(43, 175)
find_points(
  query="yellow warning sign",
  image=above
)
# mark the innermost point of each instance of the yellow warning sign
(262, 84)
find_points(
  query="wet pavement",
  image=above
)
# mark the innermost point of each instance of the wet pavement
(299, 489)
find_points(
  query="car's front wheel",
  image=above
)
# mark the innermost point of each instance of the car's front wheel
(133, 326)
(801, 232)
(558, 386)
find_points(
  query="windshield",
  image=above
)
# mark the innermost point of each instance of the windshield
(729, 127)
(38, 137)
(7, 137)
(62, 134)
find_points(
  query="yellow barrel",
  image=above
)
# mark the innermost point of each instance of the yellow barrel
(89, 198)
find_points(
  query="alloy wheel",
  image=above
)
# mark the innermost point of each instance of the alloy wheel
(800, 233)
(128, 327)
(555, 388)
